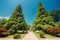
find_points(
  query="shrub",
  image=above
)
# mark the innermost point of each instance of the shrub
(41, 33)
(3, 30)
(53, 30)
(16, 36)
(11, 32)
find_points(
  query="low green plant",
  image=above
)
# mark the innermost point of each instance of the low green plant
(42, 34)
(16, 36)
(58, 35)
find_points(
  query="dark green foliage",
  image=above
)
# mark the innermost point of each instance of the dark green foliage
(16, 36)
(22, 26)
(16, 21)
(9, 24)
(56, 15)
(13, 29)
(2, 22)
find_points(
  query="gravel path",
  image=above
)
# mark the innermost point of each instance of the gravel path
(30, 36)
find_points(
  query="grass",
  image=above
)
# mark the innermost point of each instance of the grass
(45, 35)
(11, 36)
(49, 36)
(36, 34)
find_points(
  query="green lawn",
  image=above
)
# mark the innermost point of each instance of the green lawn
(11, 36)
(46, 35)
(49, 36)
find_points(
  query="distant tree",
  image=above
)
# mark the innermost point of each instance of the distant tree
(56, 15)
(16, 21)
(2, 22)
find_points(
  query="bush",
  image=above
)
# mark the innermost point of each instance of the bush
(53, 30)
(41, 33)
(16, 36)
(11, 32)
(3, 30)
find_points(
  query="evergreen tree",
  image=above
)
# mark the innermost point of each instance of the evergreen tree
(16, 21)
(42, 18)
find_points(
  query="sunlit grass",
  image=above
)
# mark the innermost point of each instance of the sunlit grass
(11, 36)
(45, 35)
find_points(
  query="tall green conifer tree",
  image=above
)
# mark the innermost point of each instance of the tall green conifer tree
(16, 21)
(42, 18)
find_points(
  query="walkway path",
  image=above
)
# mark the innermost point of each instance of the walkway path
(30, 36)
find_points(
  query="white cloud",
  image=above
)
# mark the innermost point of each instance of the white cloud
(4, 17)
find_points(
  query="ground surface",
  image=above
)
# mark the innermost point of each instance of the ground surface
(40, 39)
(45, 35)
(30, 36)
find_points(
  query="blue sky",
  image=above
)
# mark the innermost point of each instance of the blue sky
(29, 7)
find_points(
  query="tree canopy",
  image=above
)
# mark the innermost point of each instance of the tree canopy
(56, 15)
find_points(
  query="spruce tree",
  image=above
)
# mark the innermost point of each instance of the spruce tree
(16, 21)
(42, 19)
